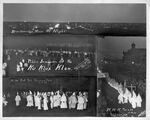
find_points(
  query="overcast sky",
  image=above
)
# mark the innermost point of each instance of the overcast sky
(134, 13)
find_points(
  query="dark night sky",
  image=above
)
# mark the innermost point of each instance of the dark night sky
(114, 46)
(75, 12)
(127, 13)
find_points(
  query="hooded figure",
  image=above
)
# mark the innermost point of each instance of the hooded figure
(4, 69)
(45, 101)
(80, 102)
(126, 95)
(120, 88)
(133, 100)
(63, 101)
(69, 102)
(38, 100)
(130, 97)
(85, 100)
(139, 100)
(57, 98)
(35, 99)
(5, 101)
(61, 60)
(120, 98)
(52, 100)
(17, 99)
(29, 100)
(72, 101)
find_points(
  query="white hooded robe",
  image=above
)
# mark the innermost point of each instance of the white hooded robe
(17, 99)
(52, 101)
(80, 103)
(72, 101)
(57, 100)
(63, 101)
(85, 102)
(139, 100)
(133, 100)
(29, 101)
(39, 102)
(120, 98)
(45, 101)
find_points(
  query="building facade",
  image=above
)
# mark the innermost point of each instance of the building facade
(135, 55)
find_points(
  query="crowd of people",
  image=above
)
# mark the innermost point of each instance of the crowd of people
(126, 95)
(50, 100)
(27, 27)
(46, 52)
(56, 28)
(70, 59)
(130, 97)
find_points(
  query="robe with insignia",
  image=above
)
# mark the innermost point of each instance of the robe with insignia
(29, 101)
(63, 101)
(57, 100)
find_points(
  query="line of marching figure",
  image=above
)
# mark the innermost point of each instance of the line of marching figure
(51, 100)
(126, 95)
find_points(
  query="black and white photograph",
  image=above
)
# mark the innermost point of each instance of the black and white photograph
(74, 60)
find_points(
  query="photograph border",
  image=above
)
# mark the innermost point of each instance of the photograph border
(82, 2)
